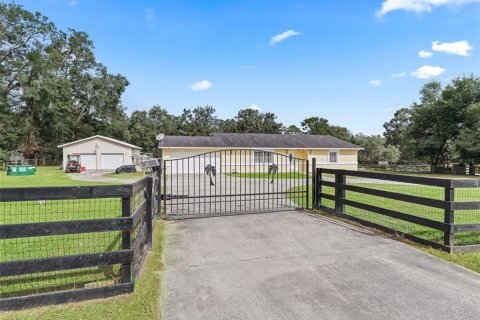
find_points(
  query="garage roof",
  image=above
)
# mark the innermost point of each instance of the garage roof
(256, 140)
(101, 137)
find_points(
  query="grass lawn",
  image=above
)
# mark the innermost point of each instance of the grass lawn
(469, 260)
(426, 175)
(144, 303)
(265, 175)
(45, 177)
(58, 245)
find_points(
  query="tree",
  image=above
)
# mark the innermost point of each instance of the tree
(396, 133)
(429, 129)
(321, 126)
(390, 154)
(51, 85)
(468, 141)
(253, 121)
(373, 145)
(293, 129)
(200, 121)
(143, 131)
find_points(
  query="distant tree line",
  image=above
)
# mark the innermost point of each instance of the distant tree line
(53, 90)
(443, 127)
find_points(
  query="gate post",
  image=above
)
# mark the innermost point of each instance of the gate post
(314, 183)
(318, 187)
(339, 191)
(308, 190)
(148, 212)
(126, 242)
(159, 191)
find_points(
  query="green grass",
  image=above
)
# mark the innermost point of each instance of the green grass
(470, 260)
(142, 304)
(57, 245)
(265, 175)
(125, 175)
(425, 175)
(45, 177)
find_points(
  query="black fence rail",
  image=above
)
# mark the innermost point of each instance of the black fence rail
(62, 244)
(405, 168)
(442, 213)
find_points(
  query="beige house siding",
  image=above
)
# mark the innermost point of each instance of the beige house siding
(104, 147)
(243, 159)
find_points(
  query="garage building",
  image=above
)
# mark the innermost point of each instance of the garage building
(100, 153)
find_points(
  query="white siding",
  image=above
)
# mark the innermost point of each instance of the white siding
(98, 146)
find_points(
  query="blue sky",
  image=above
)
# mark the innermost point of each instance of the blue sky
(332, 59)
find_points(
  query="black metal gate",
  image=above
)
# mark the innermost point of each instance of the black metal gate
(233, 181)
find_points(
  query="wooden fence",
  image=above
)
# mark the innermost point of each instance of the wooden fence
(424, 210)
(126, 212)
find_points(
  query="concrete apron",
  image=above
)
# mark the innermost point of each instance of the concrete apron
(291, 265)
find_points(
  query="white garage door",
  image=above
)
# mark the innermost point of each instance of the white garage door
(112, 160)
(194, 164)
(89, 161)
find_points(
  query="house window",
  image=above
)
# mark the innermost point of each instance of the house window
(333, 157)
(262, 157)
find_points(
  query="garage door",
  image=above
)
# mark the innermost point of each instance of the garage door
(192, 164)
(89, 161)
(112, 160)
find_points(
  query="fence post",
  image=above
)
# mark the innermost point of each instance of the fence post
(448, 235)
(159, 189)
(126, 242)
(314, 183)
(318, 183)
(148, 211)
(308, 190)
(339, 191)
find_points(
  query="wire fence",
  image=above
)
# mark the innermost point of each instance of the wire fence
(71, 239)
(444, 213)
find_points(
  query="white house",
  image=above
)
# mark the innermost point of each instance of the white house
(100, 153)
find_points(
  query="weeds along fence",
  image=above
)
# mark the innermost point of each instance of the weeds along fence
(62, 244)
(405, 168)
(442, 213)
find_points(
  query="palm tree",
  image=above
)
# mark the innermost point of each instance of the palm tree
(272, 169)
(210, 171)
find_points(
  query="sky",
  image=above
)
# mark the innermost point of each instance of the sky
(352, 62)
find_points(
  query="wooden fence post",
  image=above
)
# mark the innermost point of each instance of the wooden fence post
(339, 191)
(449, 236)
(126, 242)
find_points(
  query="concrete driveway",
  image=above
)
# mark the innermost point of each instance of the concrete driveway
(291, 265)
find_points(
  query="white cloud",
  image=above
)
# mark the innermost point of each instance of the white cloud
(426, 72)
(375, 83)
(73, 3)
(149, 14)
(255, 107)
(282, 36)
(460, 48)
(201, 85)
(425, 54)
(417, 6)
(398, 75)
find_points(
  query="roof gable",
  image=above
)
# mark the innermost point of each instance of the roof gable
(101, 137)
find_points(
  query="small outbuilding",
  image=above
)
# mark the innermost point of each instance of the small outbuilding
(100, 153)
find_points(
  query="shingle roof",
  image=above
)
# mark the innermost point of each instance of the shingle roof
(101, 137)
(256, 140)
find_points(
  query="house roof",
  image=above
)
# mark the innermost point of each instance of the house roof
(256, 140)
(101, 137)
